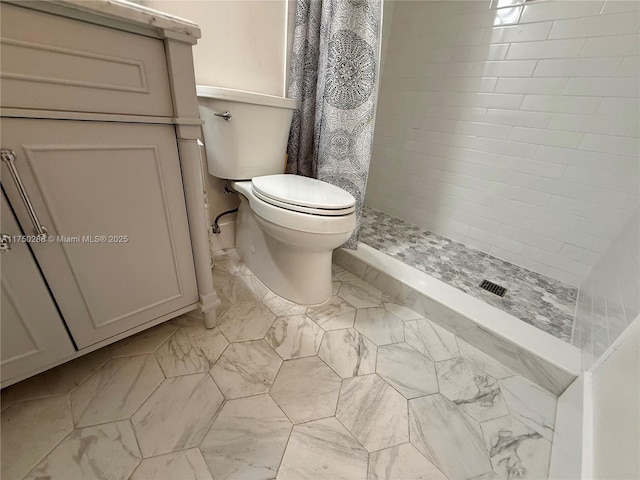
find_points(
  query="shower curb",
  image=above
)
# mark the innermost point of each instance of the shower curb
(542, 358)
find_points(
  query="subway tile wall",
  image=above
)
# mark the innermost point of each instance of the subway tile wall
(608, 298)
(511, 126)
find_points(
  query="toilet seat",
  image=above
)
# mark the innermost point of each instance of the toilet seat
(299, 221)
(303, 195)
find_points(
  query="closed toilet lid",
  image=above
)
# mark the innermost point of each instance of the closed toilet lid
(303, 194)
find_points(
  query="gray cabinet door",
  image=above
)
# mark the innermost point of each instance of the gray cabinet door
(32, 334)
(111, 198)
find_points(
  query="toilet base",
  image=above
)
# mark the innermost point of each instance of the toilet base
(295, 265)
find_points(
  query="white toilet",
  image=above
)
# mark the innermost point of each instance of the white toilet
(288, 225)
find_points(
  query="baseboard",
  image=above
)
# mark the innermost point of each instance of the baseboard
(226, 238)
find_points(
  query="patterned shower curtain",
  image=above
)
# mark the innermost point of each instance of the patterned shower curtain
(334, 70)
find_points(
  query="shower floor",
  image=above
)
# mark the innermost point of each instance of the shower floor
(540, 301)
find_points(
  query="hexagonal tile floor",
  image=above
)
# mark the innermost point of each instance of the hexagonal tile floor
(358, 388)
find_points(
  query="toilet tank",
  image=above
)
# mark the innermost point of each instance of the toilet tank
(253, 141)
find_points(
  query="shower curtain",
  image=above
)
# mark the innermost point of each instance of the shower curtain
(334, 73)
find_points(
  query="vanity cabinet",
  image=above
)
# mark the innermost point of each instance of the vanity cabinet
(33, 333)
(59, 63)
(111, 198)
(99, 136)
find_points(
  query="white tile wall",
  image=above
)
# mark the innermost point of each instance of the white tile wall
(614, 45)
(608, 298)
(545, 49)
(511, 126)
(556, 10)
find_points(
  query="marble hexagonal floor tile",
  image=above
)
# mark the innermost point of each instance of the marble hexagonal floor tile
(191, 350)
(306, 389)
(471, 389)
(516, 450)
(57, 381)
(295, 336)
(337, 313)
(488, 476)
(182, 465)
(229, 261)
(373, 412)
(246, 321)
(379, 326)
(402, 462)
(407, 370)
(102, 451)
(220, 277)
(246, 368)
(529, 403)
(116, 390)
(146, 341)
(348, 352)
(247, 439)
(360, 294)
(449, 438)
(177, 415)
(323, 450)
(281, 307)
(245, 288)
(30, 430)
(431, 339)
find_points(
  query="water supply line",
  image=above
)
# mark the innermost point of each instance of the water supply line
(215, 228)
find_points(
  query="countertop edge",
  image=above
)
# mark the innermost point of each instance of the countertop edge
(134, 13)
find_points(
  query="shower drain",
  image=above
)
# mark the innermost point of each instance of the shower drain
(493, 288)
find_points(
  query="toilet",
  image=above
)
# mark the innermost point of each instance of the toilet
(287, 225)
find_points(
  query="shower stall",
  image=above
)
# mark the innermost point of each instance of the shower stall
(506, 149)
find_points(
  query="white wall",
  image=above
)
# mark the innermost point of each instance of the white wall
(243, 46)
(291, 26)
(597, 427)
(513, 130)
(569, 433)
(615, 387)
(608, 299)
(243, 42)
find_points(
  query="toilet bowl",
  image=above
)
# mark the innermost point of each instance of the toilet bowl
(286, 241)
(287, 225)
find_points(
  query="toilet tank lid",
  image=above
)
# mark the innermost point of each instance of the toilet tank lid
(219, 93)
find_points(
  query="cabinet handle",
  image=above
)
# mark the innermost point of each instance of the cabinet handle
(9, 157)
